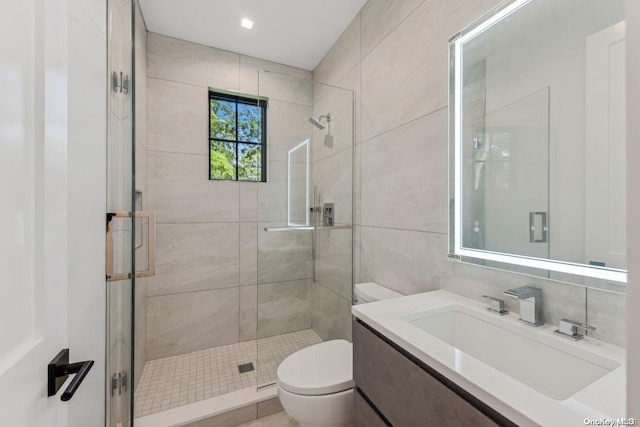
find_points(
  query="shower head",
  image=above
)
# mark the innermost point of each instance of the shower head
(316, 123)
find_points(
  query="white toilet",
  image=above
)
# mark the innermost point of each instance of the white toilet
(315, 384)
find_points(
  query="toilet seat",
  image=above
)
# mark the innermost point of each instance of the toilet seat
(320, 369)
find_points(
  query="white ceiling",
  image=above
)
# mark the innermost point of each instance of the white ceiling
(292, 32)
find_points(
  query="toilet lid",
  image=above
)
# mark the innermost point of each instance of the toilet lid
(323, 368)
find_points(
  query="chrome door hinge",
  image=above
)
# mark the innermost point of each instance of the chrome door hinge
(119, 382)
(120, 82)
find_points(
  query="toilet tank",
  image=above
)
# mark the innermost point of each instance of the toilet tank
(371, 292)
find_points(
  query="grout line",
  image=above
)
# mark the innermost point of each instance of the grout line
(403, 229)
(233, 90)
(334, 154)
(223, 288)
(334, 86)
(200, 223)
(404, 124)
(334, 292)
(390, 32)
(183, 153)
(191, 292)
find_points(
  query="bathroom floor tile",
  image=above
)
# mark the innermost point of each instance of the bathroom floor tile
(187, 378)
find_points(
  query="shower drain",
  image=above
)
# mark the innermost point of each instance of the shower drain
(245, 367)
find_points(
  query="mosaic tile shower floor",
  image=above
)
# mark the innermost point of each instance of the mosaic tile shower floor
(187, 378)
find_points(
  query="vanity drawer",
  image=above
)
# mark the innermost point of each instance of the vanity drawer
(405, 393)
(363, 414)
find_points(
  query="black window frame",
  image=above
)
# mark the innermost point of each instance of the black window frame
(239, 99)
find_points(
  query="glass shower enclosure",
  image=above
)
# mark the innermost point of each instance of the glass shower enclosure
(304, 220)
(120, 224)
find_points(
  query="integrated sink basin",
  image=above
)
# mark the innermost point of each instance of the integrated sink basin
(543, 363)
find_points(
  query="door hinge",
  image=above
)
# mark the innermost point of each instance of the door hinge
(119, 383)
(120, 82)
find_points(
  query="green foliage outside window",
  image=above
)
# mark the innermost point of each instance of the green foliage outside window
(236, 137)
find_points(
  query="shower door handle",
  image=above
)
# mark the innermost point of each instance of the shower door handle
(151, 269)
(543, 226)
(111, 275)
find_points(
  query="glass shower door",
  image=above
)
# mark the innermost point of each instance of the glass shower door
(305, 235)
(120, 214)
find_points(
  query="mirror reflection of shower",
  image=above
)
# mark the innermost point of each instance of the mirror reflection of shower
(328, 139)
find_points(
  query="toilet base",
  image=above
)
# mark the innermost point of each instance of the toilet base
(328, 410)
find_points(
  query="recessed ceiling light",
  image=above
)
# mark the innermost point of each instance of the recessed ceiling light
(246, 23)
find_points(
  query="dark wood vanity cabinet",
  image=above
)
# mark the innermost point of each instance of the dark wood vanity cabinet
(394, 388)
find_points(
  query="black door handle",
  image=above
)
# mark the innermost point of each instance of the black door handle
(59, 370)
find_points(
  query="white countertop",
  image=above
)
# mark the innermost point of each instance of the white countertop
(605, 398)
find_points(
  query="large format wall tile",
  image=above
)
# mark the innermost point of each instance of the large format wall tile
(283, 256)
(288, 126)
(352, 82)
(249, 201)
(339, 103)
(405, 76)
(401, 83)
(272, 195)
(408, 262)
(379, 17)
(185, 62)
(342, 57)
(140, 333)
(357, 184)
(178, 117)
(285, 88)
(331, 314)
(192, 321)
(411, 193)
(141, 100)
(283, 307)
(334, 267)
(606, 312)
(248, 253)
(250, 66)
(141, 171)
(334, 179)
(179, 190)
(195, 257)
(140, 34)
(248, 312)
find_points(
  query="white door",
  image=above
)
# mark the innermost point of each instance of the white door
(606, 148)
(33, 218)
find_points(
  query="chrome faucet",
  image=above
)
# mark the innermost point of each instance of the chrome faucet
(569, 329)
(530, 299)
(495, 305)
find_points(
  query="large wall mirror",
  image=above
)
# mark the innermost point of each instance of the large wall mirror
(537, 141)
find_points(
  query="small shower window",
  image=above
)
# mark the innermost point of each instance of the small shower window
(237, 137)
